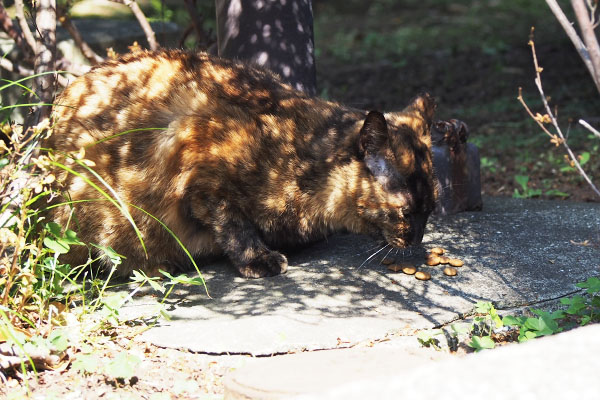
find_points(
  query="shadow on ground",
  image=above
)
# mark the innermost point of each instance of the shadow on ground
(516, 253)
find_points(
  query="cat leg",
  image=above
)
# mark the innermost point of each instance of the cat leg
(241, 242)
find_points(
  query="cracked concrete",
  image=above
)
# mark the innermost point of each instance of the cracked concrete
(516, 253)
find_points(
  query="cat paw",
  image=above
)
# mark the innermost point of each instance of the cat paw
(268, 264)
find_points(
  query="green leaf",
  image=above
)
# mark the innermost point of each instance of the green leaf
(156, 286)
(59, 339)
(592, 285)
(87, 363)
(54, 229)
(123, 366)
(112, 255)
(138, 277)
(556, 193)
(511, 320)
(113, 301)
(522, 180)
(532, 324)
(460, 329)
(576, 304)
(3, 162)
(58, 246)
(584, 158)
(481, 342)
(71, 237)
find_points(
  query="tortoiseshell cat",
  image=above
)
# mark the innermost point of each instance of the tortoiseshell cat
(242, 165)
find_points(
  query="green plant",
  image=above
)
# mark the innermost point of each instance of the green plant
(527, 192)
(488, 327)
(40, 295)
(484, 322)
(428, 338)
(585, 309)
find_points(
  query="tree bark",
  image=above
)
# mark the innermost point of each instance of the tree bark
(584, 19)
(274, 34)
(572, 34)
(45, 58)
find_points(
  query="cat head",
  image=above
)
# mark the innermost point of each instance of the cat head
(396, 151)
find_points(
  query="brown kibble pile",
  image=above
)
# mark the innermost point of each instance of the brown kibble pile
(434, 257)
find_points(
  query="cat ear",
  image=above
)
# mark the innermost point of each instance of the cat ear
(373, 134)
(424, 105)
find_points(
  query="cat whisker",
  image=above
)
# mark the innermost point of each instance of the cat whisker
(368, 250)
(371, 256)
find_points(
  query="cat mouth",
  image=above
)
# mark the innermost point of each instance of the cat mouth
(396, 241)
(412, 238)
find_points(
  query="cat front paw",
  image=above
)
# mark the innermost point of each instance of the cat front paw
(268, 264)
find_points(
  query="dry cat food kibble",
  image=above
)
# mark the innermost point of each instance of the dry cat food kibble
(423, 276)
(444, 260)
(433, 260)
(450, 271)
(455, 262)
(409, 269)
(437, 250)
(394, 267)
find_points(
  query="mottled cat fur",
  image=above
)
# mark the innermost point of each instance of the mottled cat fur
(243, 164)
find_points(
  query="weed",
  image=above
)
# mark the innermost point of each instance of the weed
(46, 306)
(489, 328)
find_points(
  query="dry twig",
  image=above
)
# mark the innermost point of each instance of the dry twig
(20, 14)
(13, 30)
(86, 50)
(557, 138)
(142, 20)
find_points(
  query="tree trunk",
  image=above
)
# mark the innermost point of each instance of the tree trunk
(44, 86)
(274, 34)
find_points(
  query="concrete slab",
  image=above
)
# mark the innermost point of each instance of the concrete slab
(563, 366)
(516, 252)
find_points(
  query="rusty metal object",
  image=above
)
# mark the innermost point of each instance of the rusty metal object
(457, 168)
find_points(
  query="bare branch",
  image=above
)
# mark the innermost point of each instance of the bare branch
(13, 31)
(572, 34)
(589, 128)
(589, 37)
(20, 14)
(197, 20)
(538, 83)
(139, 14)
(16, 68)
(86, 50)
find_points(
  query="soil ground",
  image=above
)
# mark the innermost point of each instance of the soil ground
(473, 56)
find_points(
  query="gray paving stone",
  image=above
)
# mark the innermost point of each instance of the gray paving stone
(516, 252)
